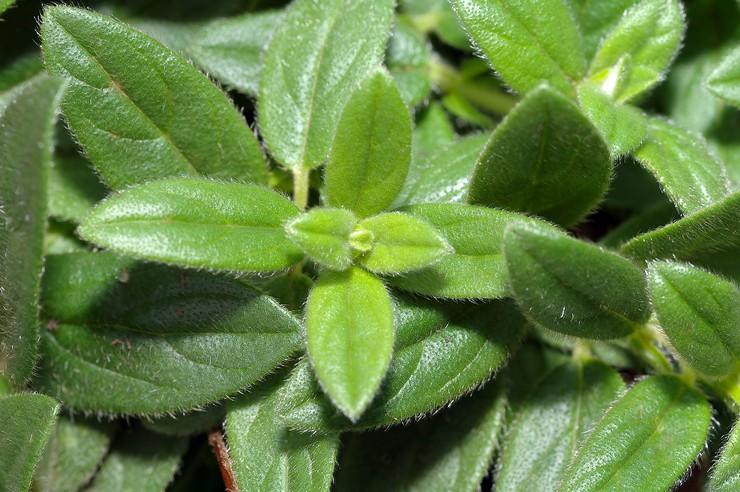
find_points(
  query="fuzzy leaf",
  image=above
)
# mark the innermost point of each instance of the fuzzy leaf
(644, 442)
(323, 234)
(188, 423)
(526, 45)
(317, 56)
(572, 287)
(407, 59)
(73, 188)
(545, 158)
(370, 157)
(136, 338)
(197, 223)
(349, 333)
(596, 19)
(725, 473)
(26, 422)
(433, 133)
(140, 111)
(724, 80)
(26, 133)
(699, 313)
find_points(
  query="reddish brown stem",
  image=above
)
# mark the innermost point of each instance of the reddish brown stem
(216, 440)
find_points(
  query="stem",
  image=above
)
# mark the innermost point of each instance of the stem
(582, 351)
(449, 80)
(300, 186)
(642, 342)
(216, 440)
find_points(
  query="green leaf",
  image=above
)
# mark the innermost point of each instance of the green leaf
(709, 238)
(186, 424)
(408, 59)
(449, 451)
(433, 133)
(572, 287)
(370, 157)
(137, 338)
(26, 421)
(551, 424)
(401, 243)
(596, 19)
(526, 45)
(140, 111)
(651, 218)
(266, 456)
(691, 175)
(318, 55)
(75, 450)
(475, 270)
(545, 158)
(445, 177)
(636, 53)
(724, 80)
(623, 127)
(26, 133)
(725, 473)
(73, 188)
(323, 234)
(5, 5)
(349, 334)
(699, 313)
(197, 223)
(16, 73)
(140, 461)
(441, 352)
(646, 441)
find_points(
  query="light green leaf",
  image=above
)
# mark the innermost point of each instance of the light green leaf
(26, 422)
(266, 456)
(623, 127)
(407, 59)
(323, 234)
(401, 243)
(699, 312)
(545, 158)
(551, 424)
(349, 333)
(475, 270)
(75, 450)
(137, 338)
(73, 188)
(140, 111)
(5, 5)
(573, 287)
(596, 19)
(319, 53)
(26, 141)
(140, 461)
(433, 133)
(441, 352)
(724, 80)
(688, 171)
(636, 53)
(449, 451)
(526, 45)
(197, 223)
(725, 473)
(370, 157)
(646, 441)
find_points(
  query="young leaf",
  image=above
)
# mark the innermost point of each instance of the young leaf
(73, 188)
(141, 461)
(526, 168)
(266, 456)
(370, 157)
(596, 19)
(26, 421)
(323, 234)
(401, 243)
(319, 53)
(635, 54)
(197, 223)
(349, 333)
(136, 338)
(475, 270)
(408, 59)
(572, 287)
(724, 80)
(645, 441)
(526, 45)
(26, 132)
(687, 170)
(699, 313)
(449, 451)
(140, 111)
(725, 473)
(551, 424)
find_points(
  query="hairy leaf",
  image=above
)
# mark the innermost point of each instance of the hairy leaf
(73, 188)
(188, 423)
(432, 134)
(323, 234)
(596, 19)
(725, 473)
(408, 58)
(724, 80)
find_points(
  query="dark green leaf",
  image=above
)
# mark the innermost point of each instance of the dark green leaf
(526, 45)
(724, 80)
(573, 287)
(319, 53)
(323, 234)
(725, 473)
(26, 132)
(651, 218)
(545, 158)
(73, 188)
(644, 442)
(349, 333)
(596, 19)
(140, 111)
(16, 74)
(26, 422)
(370, 157)
(197, 223)
(188, 423)
(407, 59)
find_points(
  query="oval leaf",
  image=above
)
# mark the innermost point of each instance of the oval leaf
(323, 234)
(724, 80)
(725, 474)
(596, 19)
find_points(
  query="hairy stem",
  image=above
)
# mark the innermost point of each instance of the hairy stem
(216, 440)
(300, 186)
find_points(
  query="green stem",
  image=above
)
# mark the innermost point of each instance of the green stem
(642, 342)
(449, 80)
(300, 186)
